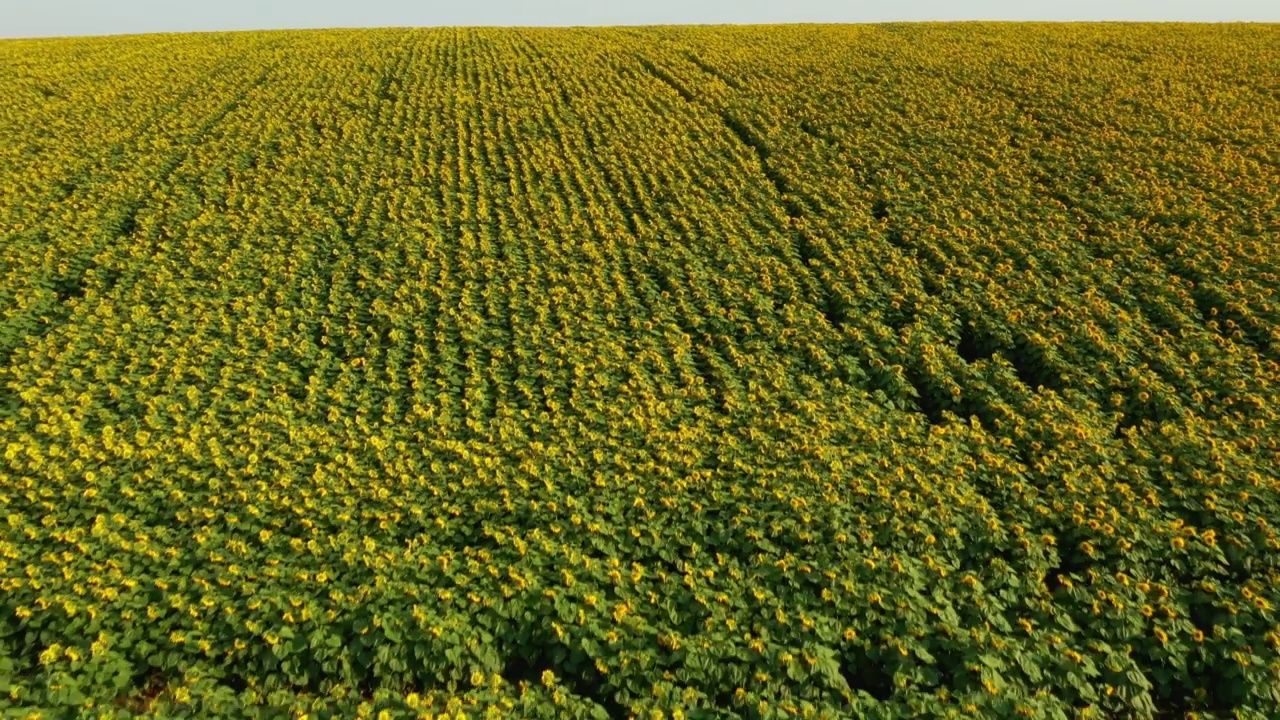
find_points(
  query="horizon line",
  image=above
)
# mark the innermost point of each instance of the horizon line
(796, 23)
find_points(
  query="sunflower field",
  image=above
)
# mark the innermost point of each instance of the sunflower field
(883, 371)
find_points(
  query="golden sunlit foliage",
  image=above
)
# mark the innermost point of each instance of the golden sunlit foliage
(870, 371)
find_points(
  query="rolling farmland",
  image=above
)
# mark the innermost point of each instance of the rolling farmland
(799, 371)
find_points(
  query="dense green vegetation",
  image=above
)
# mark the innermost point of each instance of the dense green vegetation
(883, 371)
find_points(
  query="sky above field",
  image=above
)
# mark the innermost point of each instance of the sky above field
(31, 18)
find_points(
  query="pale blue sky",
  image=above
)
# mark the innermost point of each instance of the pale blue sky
(31, 18)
